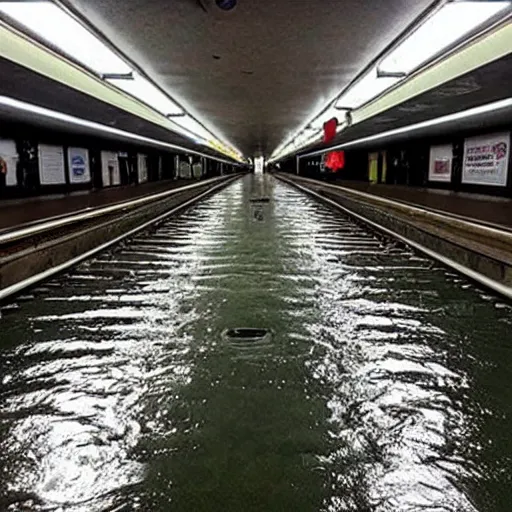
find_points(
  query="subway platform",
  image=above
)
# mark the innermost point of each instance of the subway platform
(479, 207)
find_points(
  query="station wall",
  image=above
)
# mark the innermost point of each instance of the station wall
(478, 161)
(36, 162)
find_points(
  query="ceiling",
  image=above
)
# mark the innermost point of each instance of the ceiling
(255, 74)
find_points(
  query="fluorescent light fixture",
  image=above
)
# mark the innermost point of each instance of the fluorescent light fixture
(95, 127)
(446, 26)
(58, 28)
(192, 126)
(145, 91)
(365, 89)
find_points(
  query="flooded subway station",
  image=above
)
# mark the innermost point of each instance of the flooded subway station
(260, 351)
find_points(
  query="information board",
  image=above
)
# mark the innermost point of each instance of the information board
(486, 159)
(78, 162)
(51, 165)
(441, 160)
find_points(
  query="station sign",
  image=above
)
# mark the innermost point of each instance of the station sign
(486, 159)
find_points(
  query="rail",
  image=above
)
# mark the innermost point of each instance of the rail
(502, 235)
(11, 235)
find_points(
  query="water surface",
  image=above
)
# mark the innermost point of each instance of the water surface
(386, 384)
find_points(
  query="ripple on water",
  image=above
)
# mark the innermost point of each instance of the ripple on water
(383, 386)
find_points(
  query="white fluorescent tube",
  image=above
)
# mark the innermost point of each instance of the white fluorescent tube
(59, 29)
(442, 29)
(145, 91)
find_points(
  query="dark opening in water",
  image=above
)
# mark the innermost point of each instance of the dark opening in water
(246, 333)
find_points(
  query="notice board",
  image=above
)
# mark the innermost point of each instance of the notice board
(78, 162)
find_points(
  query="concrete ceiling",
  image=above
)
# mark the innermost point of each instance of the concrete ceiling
(255, 74)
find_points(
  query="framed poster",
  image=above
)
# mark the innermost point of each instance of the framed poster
(110, 173)
(373, 167)
(51, 165)
(78, 162)
(486, 160)
(8, 161)
(197, 170)
(142, 168)
(441, 160)
(185, 170)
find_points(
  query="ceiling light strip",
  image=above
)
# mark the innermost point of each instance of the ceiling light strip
(482, 51)
(227, 148)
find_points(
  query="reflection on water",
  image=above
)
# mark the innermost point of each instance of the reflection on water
(385, 385)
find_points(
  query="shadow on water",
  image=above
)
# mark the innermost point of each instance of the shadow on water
(384, 385)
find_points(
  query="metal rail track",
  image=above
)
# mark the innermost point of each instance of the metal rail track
(503, 235)
(50, 235)
(11, 235)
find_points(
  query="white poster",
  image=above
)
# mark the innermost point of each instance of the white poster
(110, 169)
(8, 161)
(159, 167)
(441, 158)
(486, 159)
(142, 167)
(78, 161)
(51, 165)
(197, 170)
(185, 170)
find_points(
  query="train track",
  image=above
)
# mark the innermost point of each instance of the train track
(35, 251)
(479, 250)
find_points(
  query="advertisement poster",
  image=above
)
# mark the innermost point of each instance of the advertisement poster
(142, 167)
(486, 159)
(110, 173)
(8, 161)
(185, 170)
(197, 170)
(441, 158)
(373, 167)
(78, 161)
(51, 165)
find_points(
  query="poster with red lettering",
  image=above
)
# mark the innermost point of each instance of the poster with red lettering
(486, 159)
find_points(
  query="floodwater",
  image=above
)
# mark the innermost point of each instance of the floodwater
(384, 384)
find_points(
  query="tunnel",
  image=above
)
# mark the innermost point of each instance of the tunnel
(255, 256)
